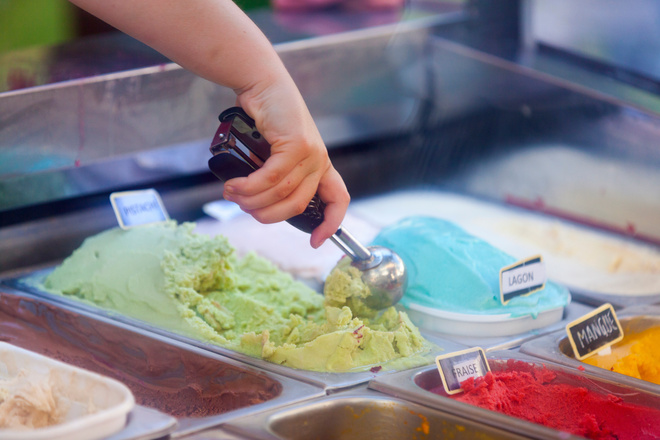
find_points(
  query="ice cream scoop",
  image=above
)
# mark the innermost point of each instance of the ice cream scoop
(239, 149)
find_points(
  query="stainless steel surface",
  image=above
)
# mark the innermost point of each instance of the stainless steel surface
(382, 269)
(596, 164)
(387, 280)
(556, 347)
(145, 424)
(413, 385)
(201, 389)
(329, 382)
(623, 35)
(111, 52)
(490, 343)
(361, 414)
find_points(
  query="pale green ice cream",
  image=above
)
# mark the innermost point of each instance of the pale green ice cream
(194, 285)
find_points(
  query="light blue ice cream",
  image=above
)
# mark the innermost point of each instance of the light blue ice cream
(454, 271)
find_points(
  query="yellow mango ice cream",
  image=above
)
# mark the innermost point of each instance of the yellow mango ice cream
(195, 285)
(637, 355)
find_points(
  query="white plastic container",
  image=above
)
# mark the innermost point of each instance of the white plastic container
(95, 406)
(462, 324)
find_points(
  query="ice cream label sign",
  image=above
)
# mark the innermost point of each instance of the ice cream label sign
(459, 366)
(594, 331)
(134, 208)
(522, 278)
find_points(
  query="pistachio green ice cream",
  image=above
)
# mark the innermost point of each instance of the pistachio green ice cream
(193, 284)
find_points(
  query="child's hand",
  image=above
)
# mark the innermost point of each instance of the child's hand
(298, 166)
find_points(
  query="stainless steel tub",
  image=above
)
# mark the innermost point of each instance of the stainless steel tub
(557, 348)
(414, 386)
(359, 414)
(330, 382)
(199, 388)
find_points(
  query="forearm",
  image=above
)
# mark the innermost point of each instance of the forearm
(212, 38)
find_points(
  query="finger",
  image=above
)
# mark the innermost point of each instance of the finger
(269, 175)
(333, 192)
(289, 207)
(263, 199)
(272, 194)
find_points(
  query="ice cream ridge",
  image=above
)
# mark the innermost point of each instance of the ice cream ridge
(195, 285)
(539, 395)
(451, 270)
(637, 355)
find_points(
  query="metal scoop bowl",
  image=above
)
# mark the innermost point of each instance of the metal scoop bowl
(239, 149)
(382, 269)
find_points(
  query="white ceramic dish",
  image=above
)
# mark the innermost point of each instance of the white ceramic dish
(462, 324)
(96, 406)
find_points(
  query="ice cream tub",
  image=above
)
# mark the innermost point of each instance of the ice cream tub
(590, 406)
(636, 367)
(328, 381)
(41, 398)
(359, 414)
(198, 388)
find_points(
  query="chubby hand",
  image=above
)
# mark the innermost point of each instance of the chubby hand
(298, 166)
